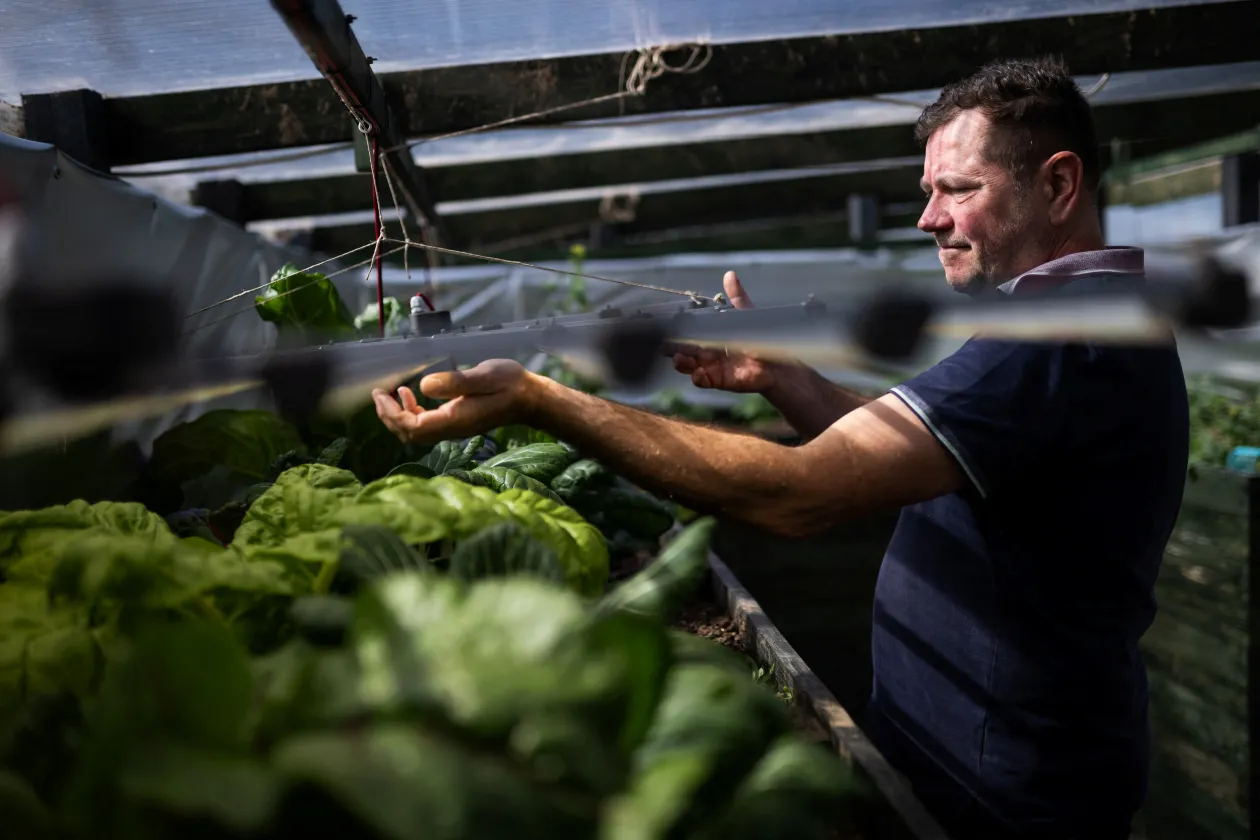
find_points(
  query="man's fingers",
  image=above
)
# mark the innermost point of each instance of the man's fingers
(684, 364)
(408, 398)
(735, 291)
(700, 378)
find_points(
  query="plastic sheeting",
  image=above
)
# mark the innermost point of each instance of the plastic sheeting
(131, 47)
(85, 227)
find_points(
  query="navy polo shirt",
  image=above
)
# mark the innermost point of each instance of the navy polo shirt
(1007, 615)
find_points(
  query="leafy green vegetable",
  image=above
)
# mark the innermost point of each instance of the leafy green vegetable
(581, 476)
(31, 541)
(662, 588)
(372, 551)
(475, 478)
(539, 461)
(453, 455)
(579, 546)
(397, 321)
(505, 478)
(333, 453)
(512, 437)
(502, 550)
(303, 499)
(245, 442)
(416, 469)
(305, 304)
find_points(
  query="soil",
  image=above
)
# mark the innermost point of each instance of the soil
(705, 618)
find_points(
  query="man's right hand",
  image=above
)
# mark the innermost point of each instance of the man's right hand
(710, 368)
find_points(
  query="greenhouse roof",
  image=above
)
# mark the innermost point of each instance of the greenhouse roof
(785, 113)
(134, 47)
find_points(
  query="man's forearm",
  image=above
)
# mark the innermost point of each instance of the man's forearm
(725, 473)
(809, 402)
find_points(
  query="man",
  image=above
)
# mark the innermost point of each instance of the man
(1038, 482)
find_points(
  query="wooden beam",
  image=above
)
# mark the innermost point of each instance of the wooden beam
(1240, 189)
(496, 230)
(437, 101)
(323, 30)
(1151, 126)
(73, 121)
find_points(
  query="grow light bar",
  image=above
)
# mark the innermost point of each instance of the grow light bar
(102, 376)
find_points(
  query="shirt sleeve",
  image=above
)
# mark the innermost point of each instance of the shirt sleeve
(994, 405)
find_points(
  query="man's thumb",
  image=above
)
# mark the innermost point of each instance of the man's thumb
(735, 292)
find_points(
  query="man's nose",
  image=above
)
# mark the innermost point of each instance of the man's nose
(933, 219)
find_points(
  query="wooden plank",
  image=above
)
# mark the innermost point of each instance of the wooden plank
(490, 231)
(523, 176)
(1147, 125)
(905, 814)
(323, 30)
(442, 100)
(73, 121)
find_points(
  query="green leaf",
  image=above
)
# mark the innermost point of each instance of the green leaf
(797, 788)
(411, 507)
(372, 551)
(237, 792)
(636, 512)
(451, 455)
(44, 649)
(539, 461)
(333, 453)
(711, 729)
(402, 782)
(514, 436)
(373, 450)
(31, 540)
(662, 587)
(502, 550)
(397, 321)
(580, 476)
(506, 478)
(188, 575)
(302, 500)
(484, 655)
(305, 304)
(246, 442)
(579, 546)
(416, 469)
(322, 620)
(475, 478)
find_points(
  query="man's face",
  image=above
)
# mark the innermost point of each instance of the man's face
(988, 230)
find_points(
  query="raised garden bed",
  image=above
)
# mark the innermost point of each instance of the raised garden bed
(884, 808)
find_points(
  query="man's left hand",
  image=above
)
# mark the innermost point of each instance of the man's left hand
(492, 394)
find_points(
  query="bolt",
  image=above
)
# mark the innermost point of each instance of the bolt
(350, 19)
(371, 59)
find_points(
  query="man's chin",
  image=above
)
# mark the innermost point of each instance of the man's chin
(970, 285)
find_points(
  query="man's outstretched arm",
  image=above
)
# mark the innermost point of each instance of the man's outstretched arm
(808, 402)
(878, 456)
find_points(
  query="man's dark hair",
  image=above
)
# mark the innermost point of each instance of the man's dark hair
(1036, 107)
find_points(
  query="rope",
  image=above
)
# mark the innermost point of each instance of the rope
(266, 285)
(243, 310)
(695, 296)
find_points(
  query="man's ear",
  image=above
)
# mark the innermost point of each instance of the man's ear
(1065, 181)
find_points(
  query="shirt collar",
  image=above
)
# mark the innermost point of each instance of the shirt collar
(1116, 259)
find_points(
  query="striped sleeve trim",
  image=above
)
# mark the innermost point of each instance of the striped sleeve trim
(921, 408)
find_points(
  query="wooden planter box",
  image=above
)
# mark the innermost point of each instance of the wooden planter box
(887, 810)
(1201, 662)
